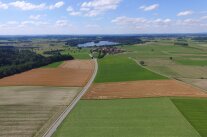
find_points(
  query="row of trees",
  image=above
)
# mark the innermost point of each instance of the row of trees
(13, 61)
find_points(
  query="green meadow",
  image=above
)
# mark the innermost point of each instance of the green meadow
(151, 117)
(118, 68)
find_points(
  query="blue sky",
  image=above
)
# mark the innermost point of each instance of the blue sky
(102, 16)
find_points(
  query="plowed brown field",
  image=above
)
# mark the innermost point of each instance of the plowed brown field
(73, 73)
(139, 89)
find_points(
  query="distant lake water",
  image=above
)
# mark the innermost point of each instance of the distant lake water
(100, 43)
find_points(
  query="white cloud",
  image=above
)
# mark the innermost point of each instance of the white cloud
(31, 22)
(185, 13)
(35, 17)
(62, 23)
(70, 9)
(3, 6)
(56, 5)
(75, 13)
(27, 6)
(123, 20)
(12, 23)
(23, 5)
(162, 21)
(95, 7)
(150, 7)
(142, 23)
(93, 26)
(72, 12)
(159, 25)
(204, 18)
(189, 22)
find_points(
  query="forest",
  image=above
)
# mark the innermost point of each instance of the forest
(13, 60)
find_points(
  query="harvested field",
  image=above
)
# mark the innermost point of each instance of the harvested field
(77, 64)
(28, 111)
(74, 73)
(139, 89)
(201, 83)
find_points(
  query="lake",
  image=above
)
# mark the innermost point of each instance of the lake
(100, 43)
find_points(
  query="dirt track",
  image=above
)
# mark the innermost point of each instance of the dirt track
(73, 73)
(139, 89)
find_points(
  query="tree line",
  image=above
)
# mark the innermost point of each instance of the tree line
(13, 61)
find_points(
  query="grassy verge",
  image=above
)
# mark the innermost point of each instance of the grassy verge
(152, 117)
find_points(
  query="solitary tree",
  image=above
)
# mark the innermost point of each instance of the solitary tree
(142, 63)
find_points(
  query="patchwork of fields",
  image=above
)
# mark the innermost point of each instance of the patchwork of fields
(31, 101)
(125, 100)
(128, 100)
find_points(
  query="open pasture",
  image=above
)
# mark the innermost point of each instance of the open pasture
(173, 69)
(187, 61)
(28, 111)
(142, 89)
(152, 117)
(118, 68)
(71, 73)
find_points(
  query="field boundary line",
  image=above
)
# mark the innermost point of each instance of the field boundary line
(150, 69)
(65, 113)
(171, 78)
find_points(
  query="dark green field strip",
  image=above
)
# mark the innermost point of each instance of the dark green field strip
(192, 62)
(118, 68)
(195, 111)
(53, 65)
(150, 117)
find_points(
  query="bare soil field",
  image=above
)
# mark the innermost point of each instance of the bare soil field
(78, 64)
(28, 111)
(201, 83)
(139, 89)
(74, 73)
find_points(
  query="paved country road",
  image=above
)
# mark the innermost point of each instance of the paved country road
(60, 119)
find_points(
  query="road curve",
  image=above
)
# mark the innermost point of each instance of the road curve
(60, 119)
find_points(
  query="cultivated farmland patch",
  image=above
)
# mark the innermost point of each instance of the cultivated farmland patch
(151, 117)
(201, 83)
(195, 111)
(119, 68)
(28, 111)
(139, 89)
(71, 73)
